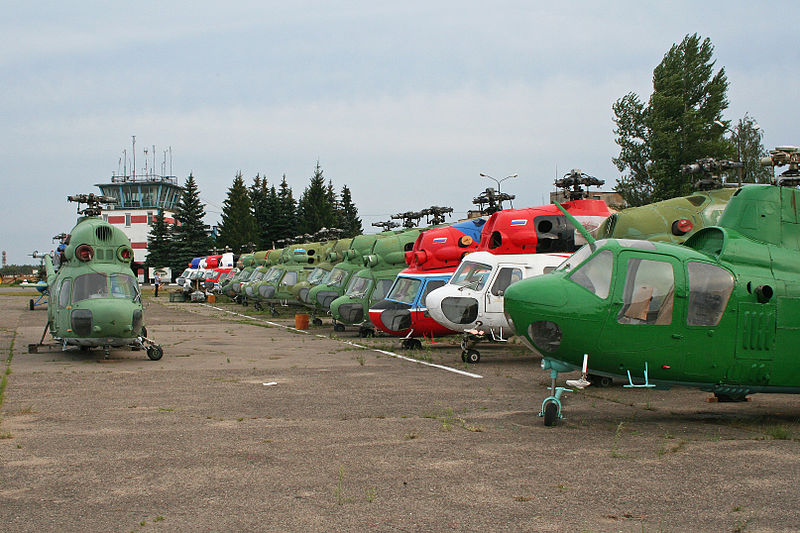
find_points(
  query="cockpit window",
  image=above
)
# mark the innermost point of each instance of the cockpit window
(289, 279)
(124, 286)
(335, 277)
(710, 288)
(382, 287)
(577, 258)
(649, 293)
(595, 274)
(316, 276)
(358, 286)
(273, 275)
(505, 277)
(404, 290)
(94, 285)
(471, 275)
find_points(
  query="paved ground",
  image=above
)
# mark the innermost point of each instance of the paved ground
(352, 439)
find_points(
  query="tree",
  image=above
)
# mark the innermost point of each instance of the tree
(675, 128)
(315, 209)
(158, 242)
(347, 215)
(238, 226)
(285, 225)
(263, 212)
(189, 235)
(746, 141)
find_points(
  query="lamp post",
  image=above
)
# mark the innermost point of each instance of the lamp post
(738, 136)
(500, 181)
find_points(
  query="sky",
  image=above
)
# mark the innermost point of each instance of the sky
(406, 103)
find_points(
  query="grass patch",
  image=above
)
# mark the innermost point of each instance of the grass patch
(6, 435)
(449, 419)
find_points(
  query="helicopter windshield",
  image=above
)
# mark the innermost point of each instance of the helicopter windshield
(471, 275)
(358, 287)
(595, 274)
(289, 279)
(317, 275)
(336, 277)
(99, 285)
(404, 290)
(273, 275)
(382, 286)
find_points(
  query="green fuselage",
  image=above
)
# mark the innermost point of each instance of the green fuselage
(718, 313)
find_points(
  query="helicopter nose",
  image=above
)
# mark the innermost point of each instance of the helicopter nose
(535, 292)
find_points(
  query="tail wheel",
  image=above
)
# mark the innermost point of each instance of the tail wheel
(155, 353)
(550, 413)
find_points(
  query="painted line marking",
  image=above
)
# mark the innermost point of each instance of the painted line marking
(384, 352)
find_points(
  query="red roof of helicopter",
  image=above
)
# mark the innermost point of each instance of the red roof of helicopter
(539, 229)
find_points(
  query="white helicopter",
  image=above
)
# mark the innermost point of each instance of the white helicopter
(515, 244)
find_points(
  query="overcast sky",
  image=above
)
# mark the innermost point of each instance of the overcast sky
(403, 102)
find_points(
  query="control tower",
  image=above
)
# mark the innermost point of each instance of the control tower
(140, 196)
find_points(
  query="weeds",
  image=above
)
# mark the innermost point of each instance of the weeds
(615, 445)
(371, 493)
(449, 419)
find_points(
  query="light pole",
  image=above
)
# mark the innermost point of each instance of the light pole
(500, 181)
(738, 137)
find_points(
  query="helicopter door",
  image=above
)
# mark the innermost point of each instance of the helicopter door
(494, 296)
(63, 307)
(642, 325)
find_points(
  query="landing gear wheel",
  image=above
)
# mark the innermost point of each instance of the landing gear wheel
(245, 302)
(257, 306)
(317, 321)
(155, 353)
(31, 304)
(274, 313)
(366, 332)
(338, 328)
(550, 413)
(471, 356)
(600, 381)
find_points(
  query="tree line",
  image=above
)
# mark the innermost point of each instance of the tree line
(258, 217)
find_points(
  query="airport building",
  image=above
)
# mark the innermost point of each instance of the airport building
(139, 199)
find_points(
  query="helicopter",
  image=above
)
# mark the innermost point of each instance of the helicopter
(371, 284)
(96, 298)
(295, 264)
(436, 254)
(515, 244)
(676, 219)
(331, 258)
(718, 313)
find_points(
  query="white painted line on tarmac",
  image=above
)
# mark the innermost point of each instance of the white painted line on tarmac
(384, 352)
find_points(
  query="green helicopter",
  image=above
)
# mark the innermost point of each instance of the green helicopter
(296, 263)
(719, 313)
(371, 284)
(95, 299)
(334, 254)
(676, 219)
(318, 298)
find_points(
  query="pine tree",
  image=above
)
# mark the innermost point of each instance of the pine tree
(238, 226)
(158, 242)
(347, 215)
(675, 128)
(189, 236)
(285, 225)
(315, 209)
(263, 213)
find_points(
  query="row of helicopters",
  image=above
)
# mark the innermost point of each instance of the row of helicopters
(695, 291)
